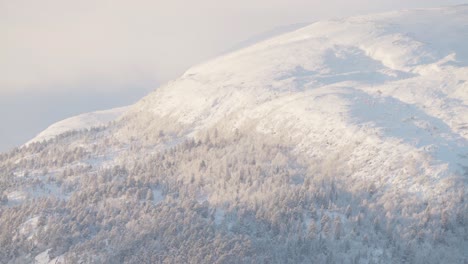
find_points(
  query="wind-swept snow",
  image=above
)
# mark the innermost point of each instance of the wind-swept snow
(79, 122)
(393, 78)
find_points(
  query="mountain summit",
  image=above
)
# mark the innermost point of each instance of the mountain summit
(345, 141)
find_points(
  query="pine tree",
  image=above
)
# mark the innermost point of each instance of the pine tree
(338, 228)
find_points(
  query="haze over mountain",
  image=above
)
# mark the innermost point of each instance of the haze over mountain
(345, 141)
(61, 58)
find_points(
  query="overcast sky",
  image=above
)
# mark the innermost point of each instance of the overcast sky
(61, 57)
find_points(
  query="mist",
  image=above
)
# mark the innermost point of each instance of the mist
(113, 52)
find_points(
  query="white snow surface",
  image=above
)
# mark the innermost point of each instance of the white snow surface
(415, 57)
(376, 91)
(79, 122)
(44, 258)
(29, 227)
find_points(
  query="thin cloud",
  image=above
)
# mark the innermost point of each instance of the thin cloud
(54, 45)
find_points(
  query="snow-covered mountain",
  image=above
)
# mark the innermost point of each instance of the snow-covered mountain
(79, 122)
(397, 77)
(343, 141)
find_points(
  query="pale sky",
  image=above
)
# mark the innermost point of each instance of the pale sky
(61, 57)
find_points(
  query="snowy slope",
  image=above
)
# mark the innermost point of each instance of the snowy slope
(388, 91)
(370, 53)
(83, 121)
(266, 35)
